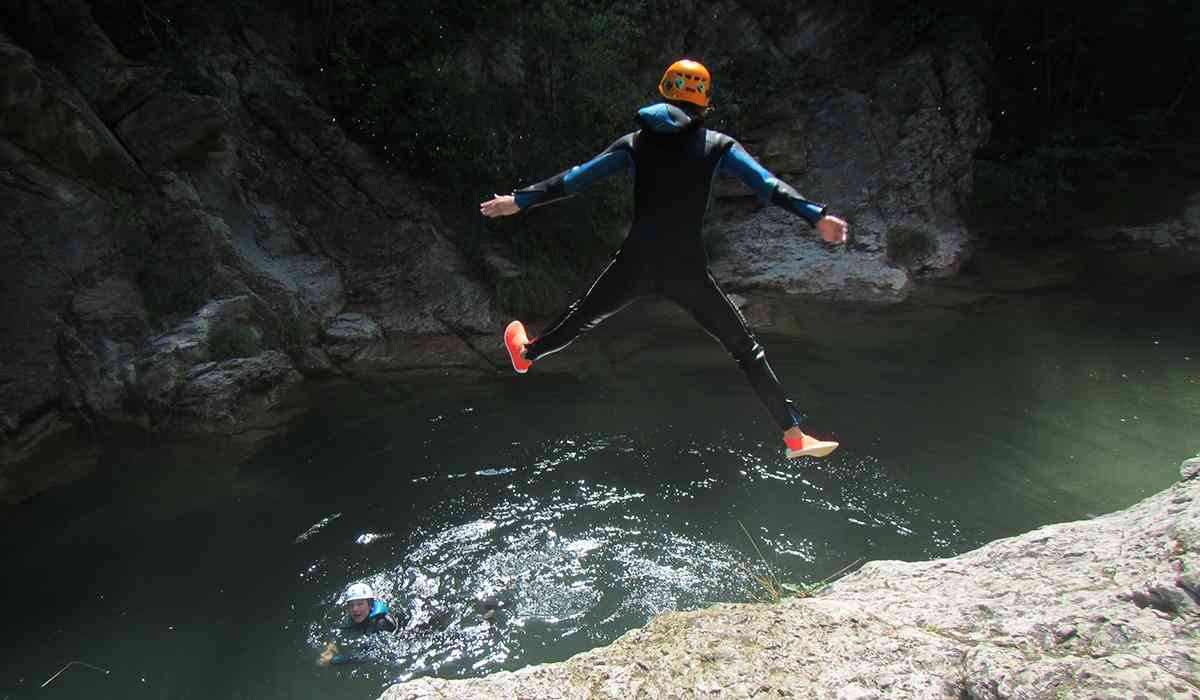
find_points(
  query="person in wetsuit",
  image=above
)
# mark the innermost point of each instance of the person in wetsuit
(674, 159)
(366, 616)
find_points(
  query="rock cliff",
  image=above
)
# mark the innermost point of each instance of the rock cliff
(1102, 608)
(179, 245)
(884, 134)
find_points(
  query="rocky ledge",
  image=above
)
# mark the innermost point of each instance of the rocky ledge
(1102, 608)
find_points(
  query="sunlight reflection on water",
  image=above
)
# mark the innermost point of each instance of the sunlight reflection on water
(573, 558)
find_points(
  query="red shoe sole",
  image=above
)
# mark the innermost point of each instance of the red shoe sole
(515, 339)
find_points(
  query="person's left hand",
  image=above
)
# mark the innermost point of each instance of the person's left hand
(833, 229)
(327, 655)
(499, 205)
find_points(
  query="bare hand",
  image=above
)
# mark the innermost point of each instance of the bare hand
(833, 229)
(327, 656)
(499, 206)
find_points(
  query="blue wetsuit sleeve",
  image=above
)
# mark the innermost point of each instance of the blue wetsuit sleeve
(769, 188)
(344, 659)
(615, 158)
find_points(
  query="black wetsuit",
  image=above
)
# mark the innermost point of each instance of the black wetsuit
(674, 159)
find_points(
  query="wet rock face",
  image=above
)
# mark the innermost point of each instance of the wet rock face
(172, 126)
(348, 337)
(892, 154)
(1096, 608)
(221, 395)
(1172, 231)
(145, 219)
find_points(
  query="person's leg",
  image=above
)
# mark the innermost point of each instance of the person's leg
(613, 290)
(704, 299)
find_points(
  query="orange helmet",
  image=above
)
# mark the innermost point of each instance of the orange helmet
(687, 81)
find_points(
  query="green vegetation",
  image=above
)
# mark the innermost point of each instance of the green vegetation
(906, 245)
(767, 588)
(480, 97)
(126, 212)
(294, 328)
(173, 291)
(235, 340)
(171, 287)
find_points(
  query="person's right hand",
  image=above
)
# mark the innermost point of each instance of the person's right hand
(327, 655)
(833, 229)
(499, 206)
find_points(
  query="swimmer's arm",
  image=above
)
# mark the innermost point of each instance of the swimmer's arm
(327, 656)
(387, 624)
(332, 657)
(347, 659)
(362, 651)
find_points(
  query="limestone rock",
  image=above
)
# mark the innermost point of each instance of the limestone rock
(183, 383)
(233, 395)
(348, 335)
(172, 127)
(56, 246)
(163, 367)
(113, 304)
(43, 114)
(98, 373)
(148, 212)
(1190, 469)
(893, 157)
(1171, 230)
(105, 77)
(774, 253)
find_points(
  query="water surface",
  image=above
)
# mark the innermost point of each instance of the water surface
(589, 494)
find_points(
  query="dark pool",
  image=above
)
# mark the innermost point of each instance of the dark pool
(589, 494)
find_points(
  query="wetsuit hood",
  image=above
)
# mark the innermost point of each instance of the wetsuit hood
(664, 118)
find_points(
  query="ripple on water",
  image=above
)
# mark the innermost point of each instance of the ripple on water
(567, 558)
(564, 562)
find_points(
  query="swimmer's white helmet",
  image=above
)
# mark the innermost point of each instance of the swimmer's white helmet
(357, 591)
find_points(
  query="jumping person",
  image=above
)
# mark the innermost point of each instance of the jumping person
(674, 159)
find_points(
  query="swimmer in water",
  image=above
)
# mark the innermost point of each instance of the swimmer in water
(366, 616)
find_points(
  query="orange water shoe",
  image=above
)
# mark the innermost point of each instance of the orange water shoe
(809, 446)
(515, 341)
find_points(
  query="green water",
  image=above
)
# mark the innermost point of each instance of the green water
(589, 494)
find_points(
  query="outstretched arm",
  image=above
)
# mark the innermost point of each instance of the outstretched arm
(770, 188)
(499, 205)
(372, 645)
(617, 157)
(377, 627)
